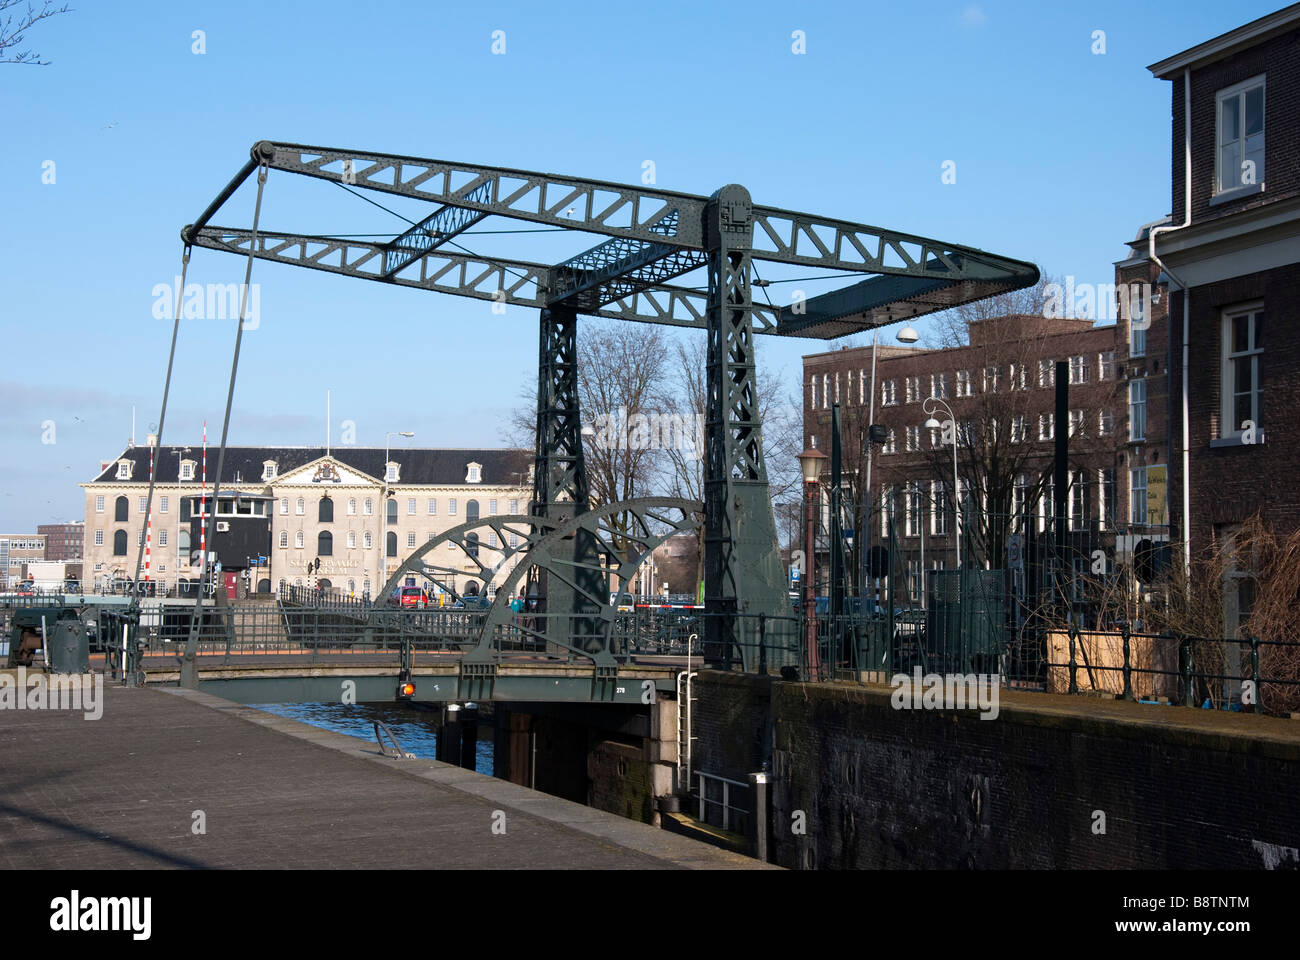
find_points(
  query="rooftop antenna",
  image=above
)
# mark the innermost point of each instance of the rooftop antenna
(131, 441)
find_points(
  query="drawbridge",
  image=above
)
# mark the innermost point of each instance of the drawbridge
(648, 244)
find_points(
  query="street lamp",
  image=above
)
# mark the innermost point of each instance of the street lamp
(907, 335)
(810, 463)
(930, 405)
(382, 543)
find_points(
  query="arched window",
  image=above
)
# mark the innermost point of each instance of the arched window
(471, 588)
(471, 510)
(352, 507)
(367, 540)
(392, 544)
(471, 543)
(183, 541)
(352, 587)
(121, 509)
(392, 512)
(301, 507)
(297, 581)
(284, 506)
(326, 512)
(352, 539)
(325, 544)
(284, 539)
(297, 539)
(119, 541)
(370, 506)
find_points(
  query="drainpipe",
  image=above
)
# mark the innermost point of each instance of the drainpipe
(1151, 253)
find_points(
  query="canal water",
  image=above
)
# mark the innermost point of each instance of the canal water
(415, 729)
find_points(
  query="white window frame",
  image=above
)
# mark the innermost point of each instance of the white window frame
(300, 507)
(1105, 423)
(1078, 370)
(367, 541)
(451, 507)
(368, 508)
(99, 504)
(1137, 507)
(965, 386)
(939, 515)
(410, 506)
(1137, 410)
(1238, 92)
(1229, 427)
(299, 540)
(890, 445)
(913, 439)
(433, 506)
(888, 393)
(939, 385)
(187, 470)
(99, 538)
(1046, 426)
(352, 539)
(911, 389)
(284, 539)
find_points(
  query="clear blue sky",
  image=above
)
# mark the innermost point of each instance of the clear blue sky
(1060, 154)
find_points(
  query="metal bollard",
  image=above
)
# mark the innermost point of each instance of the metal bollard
(760, 828)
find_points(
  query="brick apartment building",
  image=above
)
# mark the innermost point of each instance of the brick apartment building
(63, 541)
(1000, 387)
(1231, 252)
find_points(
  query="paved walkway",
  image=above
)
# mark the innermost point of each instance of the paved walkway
(123, 791)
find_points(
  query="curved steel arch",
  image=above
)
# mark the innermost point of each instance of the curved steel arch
(529, 529)
(653, 520)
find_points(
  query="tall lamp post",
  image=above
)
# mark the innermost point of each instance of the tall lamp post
(810, 463)
(382, 543)
(930, 406)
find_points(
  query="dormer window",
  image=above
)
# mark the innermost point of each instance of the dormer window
(124, 468)
(475, 473)
(187, 469)
(391, 475)
(268, 469)
(1240, 128)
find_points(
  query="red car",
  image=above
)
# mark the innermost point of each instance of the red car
(410, 597)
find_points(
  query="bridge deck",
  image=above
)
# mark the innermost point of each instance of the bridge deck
(122, 791)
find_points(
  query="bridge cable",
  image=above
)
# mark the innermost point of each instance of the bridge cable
(162, 419)
(189, 672)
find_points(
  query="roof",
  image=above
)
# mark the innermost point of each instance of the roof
(1226, 44)
(244, 464)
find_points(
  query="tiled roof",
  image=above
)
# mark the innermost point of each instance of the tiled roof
(244, 464)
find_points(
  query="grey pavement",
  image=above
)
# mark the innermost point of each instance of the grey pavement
(123, 791)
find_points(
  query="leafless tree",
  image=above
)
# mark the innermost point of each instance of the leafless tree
(14, 25)
(952, 327)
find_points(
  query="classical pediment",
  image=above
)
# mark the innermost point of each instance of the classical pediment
(327, 473)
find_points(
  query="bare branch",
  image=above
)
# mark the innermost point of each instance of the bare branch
(13, 26)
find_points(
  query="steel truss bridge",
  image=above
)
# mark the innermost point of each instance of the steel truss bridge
(569, 553)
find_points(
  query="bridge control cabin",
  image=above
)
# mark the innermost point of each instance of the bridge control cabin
(241, 539)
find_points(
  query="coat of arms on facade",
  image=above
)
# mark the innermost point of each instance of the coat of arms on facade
(327, 473)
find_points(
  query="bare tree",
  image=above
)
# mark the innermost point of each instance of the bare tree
(13, 27)
(952, 327)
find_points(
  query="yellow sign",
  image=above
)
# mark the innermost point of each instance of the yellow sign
(1157, 496)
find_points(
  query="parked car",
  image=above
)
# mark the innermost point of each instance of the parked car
(410, 598)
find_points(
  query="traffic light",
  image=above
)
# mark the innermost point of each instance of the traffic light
(405, 690)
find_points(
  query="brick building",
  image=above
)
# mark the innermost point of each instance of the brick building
(63, 541)
(1000, 388)
(1232, 255)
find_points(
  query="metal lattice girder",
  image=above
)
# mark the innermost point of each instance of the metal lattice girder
(433, 231)
(742, 565)
(617, 209)
(485, 278)
(620, 267)
(659, 235)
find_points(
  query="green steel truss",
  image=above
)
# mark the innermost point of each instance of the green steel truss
(653, 236)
